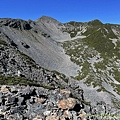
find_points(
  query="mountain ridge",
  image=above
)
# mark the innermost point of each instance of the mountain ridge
(87, 53)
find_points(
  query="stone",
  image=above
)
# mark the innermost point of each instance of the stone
(67, 103)
(62, 104)
(2, 113)
(0, 97)
(41, 100)
(2, 117)
(20, 100)
(62, 118)
(18, 73)
(16, 116)
(71, 102)
(63, 91)
(13, 89)
(38, 117)
(75, 117)
(67, 114)
(82, 115)
(12, 99)
(53, 117)
(44, 105)
(4, 88)
(46, 113)
(27, 92)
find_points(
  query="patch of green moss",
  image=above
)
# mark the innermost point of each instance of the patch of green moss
(117, 75)
(73, 33)
(101, 65)
(116, 88)
(76, 29)
(109, 32)
(98, 38)
(104, 90)
(82, 101)
(102, 44)
(95, 23)
(14, 80)
(47, 87)
(75, 24)
(2, 42)
(62, 76)
(116, 103)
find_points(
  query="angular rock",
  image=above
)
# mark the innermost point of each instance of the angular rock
(53, 117)
(41, 100)
(67, 114)
(63, 91)
(46, 113)
(67, 103)
(4, 88)
(82, 115)
(71, 102)
(62, 104)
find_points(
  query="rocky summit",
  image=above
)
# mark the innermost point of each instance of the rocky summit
(50, 70)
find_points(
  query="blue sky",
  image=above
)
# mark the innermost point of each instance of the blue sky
(108, 11)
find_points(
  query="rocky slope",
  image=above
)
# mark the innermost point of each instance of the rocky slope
(42, 53)
(39, 40)
(37, 103)
(97, 54)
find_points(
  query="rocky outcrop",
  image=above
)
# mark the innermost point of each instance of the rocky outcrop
(48, 102)
(38, 103)
(25, 102)
(15, 23)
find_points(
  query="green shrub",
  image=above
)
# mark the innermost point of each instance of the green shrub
(2, 42)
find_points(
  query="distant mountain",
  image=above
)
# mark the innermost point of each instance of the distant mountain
(41, 41)
(96, 49)
(73, 55)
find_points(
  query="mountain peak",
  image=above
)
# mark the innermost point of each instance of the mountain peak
(95, 22)
(47, 19)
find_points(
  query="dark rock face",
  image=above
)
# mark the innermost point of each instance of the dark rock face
(15, 23)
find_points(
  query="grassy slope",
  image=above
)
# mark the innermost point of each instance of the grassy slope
(97, 41)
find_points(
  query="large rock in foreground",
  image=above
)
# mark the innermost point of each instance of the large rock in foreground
(38, 103)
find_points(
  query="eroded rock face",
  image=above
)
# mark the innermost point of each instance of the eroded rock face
(15, 23)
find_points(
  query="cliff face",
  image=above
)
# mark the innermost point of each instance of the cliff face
(82, 58)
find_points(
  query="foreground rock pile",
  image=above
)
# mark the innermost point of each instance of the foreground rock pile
(37, 103)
